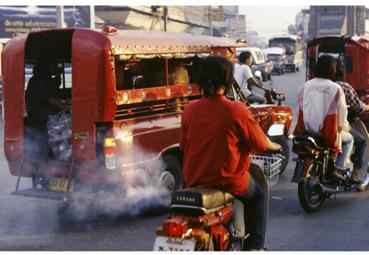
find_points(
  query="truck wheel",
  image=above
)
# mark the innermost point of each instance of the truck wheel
(171, 176)
(283, 142)
(293, 68)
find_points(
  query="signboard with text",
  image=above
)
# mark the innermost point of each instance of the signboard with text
(24, 19)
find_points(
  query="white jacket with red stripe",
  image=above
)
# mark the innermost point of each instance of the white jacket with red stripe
(322, 111)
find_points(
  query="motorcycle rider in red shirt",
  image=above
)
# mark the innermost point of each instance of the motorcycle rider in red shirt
(217, 136)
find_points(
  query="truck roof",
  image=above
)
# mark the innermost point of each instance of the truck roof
(362, 41)
(141, 43)
(274, 50)
(154, 42)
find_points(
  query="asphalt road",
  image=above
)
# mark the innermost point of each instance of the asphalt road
(33, 224)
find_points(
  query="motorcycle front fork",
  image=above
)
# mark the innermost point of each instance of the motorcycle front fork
(327, 165)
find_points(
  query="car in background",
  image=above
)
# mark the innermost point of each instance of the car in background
(278, 56)
(258, 61)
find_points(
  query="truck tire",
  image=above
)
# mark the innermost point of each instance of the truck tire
(283, 142)
(293, 68)
(172, 175)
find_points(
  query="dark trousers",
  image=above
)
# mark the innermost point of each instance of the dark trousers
(360, 146)
(253, 201)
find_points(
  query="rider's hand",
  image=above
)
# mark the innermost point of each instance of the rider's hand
(273, 147)
(277, 148)
(266, 88)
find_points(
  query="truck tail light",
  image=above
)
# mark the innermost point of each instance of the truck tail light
(109, 152)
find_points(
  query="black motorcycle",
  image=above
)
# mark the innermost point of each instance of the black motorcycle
(312, 175)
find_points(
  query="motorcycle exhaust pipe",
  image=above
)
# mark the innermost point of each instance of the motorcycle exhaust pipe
(332, 190)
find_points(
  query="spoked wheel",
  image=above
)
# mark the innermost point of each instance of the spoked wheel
(310, 193)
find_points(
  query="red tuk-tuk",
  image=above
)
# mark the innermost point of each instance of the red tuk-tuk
(126, 91)
(353, 53)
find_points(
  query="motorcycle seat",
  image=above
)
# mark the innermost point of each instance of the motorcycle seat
(316, 142)
(203, 200)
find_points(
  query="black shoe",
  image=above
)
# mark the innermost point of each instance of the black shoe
(355, 177)
(354, 180)
(337, 176)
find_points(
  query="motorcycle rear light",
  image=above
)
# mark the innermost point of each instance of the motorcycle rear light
(175, 230)
(175, 227)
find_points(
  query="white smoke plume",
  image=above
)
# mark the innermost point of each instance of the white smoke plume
(142, 191)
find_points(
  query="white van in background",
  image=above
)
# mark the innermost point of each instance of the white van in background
(278, 56)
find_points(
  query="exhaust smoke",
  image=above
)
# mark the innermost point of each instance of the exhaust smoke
(140, 191)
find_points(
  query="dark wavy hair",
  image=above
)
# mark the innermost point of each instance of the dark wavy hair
(323, 67)
(215, 72)
(339, 72)
(244, 56)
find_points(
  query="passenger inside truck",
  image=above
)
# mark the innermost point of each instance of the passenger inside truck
(48, 104)
(149, 73)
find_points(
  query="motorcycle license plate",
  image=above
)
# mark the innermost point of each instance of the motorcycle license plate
(163, 243)
(60, 185)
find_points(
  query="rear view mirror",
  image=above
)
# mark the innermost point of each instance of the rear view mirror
(258, 74)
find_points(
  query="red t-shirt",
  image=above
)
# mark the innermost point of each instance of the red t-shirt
(216, 138)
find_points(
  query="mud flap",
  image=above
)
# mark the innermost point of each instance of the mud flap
(299, 170)
(359, 126)
(259, 177)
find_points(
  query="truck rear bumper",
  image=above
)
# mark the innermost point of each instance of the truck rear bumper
(44, 194)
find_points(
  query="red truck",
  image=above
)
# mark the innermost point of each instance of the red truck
(126, 91)
(353, 53)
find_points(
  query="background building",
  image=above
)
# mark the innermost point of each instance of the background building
(336, 20)
(190, 19)
(226, 21)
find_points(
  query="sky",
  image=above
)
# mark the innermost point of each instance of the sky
(270, 21)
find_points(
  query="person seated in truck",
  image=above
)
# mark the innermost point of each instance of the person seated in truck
(179, 75)
(323, 111)
(243, 76)
(41, 94)
(217, 136)
(42, 101)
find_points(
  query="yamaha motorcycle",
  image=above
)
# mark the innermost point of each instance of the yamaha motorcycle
(201, 220)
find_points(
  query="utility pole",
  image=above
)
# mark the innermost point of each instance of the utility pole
(165, 16)
(60, 17)
(210, 21)
(92, 17)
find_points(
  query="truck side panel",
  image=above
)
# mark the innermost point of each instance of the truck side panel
(13, 93)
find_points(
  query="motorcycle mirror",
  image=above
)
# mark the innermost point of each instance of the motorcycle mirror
(258, 74)
(276, 130)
